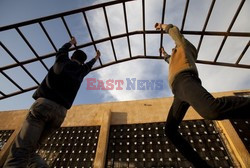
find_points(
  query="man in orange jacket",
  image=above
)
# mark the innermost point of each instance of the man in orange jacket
(188, 91)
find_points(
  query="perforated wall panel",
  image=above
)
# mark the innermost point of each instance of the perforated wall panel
(242, 127)
(4, 136)
(71, 147)
(144, 145)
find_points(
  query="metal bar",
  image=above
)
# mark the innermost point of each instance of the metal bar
(126, 25)
(47, 35)
(109, 32)
(229, 29)
(62, 14)
(205, 25)
(18, 63)
(26, 62)
(32, 49)
(90, 33)
(243, 53)
(236, 15)
(140, 57)
(67, 28)
(125, 60)
(185, 15)
(162, 22)
(2, 94)
(127, 34)
(144, 27)
(18, 92)
(237, 34)
(211, 33)
(224, 64)
(157, 57)
(11, 80)
(89, 30)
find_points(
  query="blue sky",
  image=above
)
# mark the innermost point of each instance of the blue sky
(214, 78)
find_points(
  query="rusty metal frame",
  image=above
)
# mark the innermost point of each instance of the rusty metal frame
(111, 37)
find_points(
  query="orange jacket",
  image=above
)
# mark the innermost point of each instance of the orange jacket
(182, 59)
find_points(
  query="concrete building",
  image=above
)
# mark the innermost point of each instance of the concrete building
(131, 134)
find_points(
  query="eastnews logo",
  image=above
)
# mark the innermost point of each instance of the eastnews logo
(129, 84)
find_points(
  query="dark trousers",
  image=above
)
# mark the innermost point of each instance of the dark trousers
(188, 91)
(43, 119)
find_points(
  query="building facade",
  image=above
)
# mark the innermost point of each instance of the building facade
(131, 134)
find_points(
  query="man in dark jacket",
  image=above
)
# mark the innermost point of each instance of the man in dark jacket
(187, 89)
(53, 98)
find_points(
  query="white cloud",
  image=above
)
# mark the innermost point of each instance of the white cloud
(139, 69)
(214, 78)
(217, 78)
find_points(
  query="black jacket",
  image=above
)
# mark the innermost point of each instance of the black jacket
(64, 79)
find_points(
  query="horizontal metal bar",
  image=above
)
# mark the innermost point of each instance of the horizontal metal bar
(157, 57)
(61, 14)
(224, 64)
(18, 92)
(213, 33)
(125, 60)
(134, 58)
(243, 34)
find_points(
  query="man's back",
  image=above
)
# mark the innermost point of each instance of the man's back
(63, 79)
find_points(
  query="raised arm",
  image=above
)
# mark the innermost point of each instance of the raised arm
(173, 31)
(62, 54)
(165, 54)
(87, 67)
(98, 55)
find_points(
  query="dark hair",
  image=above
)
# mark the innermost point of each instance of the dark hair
(79, 55)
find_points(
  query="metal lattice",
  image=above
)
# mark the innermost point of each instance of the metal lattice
(127, 34)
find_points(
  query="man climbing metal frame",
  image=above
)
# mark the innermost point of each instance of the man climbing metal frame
(53, 98)
(188, 91)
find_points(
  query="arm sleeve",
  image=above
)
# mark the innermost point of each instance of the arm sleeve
(87, 67)
(62, 54)
(175, 34)
(175, 116)
(166, 57)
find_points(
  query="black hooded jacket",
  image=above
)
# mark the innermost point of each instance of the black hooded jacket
(64, 79)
